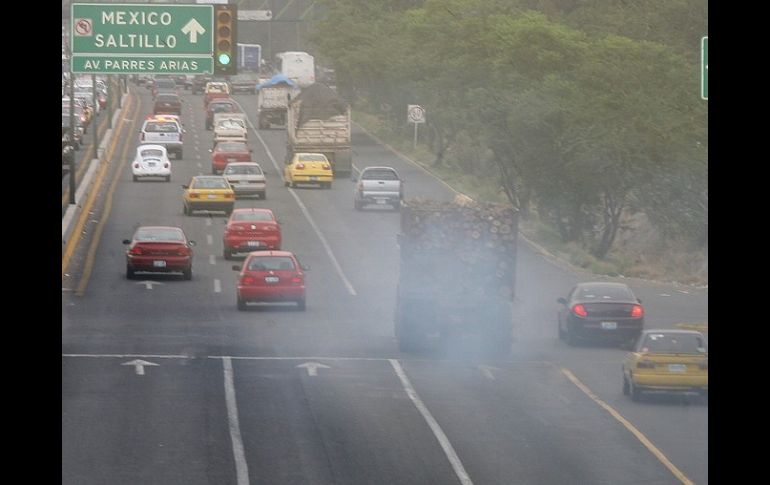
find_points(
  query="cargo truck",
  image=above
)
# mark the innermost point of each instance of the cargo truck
(273, 100)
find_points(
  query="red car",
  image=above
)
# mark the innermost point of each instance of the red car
(167, 104)
(162, 249)
(250, 230)
(224, 105)
(271, 276)
(226, 152)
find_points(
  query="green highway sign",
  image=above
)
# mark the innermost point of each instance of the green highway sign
(704, 68)
(141, 38)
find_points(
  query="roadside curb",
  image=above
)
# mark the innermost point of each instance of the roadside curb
(564, 265)
(73, 212)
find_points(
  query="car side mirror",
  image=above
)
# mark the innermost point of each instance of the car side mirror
(185, 186)
(191, 243)
(251, 150)
(639, 300)
(562, 300)
(353, 178)
(126, 241)
(236, 267)
(304, 267)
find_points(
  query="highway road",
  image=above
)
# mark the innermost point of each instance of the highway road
(164, 381)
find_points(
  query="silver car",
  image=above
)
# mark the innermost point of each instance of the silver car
(246, 178)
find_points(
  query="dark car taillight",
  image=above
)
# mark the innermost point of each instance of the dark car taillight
(580, 311)
(637, 311)
(136, 165)
(165, 165)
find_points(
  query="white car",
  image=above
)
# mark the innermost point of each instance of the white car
(246, 178)
(151, 161)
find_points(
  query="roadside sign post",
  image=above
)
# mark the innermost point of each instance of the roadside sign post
(415, 114)
(94, 121)
(704, 68)
(113, 38)
(109, 101)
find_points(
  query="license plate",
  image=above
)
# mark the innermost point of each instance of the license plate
(313, 179)
(677, 367)
(212, 196)
(254, 244)
(381, 201)
(609, 325)
(159, 264)
(151, 164)
(271, 279)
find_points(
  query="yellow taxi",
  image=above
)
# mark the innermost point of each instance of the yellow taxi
(308, 168)
(210, 193)
(667, 361)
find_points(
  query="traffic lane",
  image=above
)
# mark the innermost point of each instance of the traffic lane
(350, 423)
(526, 422)
(678, 426)
(169, 425)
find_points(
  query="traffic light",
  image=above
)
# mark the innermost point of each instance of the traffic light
(225, 39)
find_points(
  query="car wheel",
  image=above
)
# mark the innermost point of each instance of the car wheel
(187, 211)
(168, 178)
(328, 185)
(227, 254)
(179, 155)
(136, 179)
(286, 183)
(241, 305)
(572, 339)
(263, 195)
(562, 335)
(187, 273)
(229, 211)
(130, 273)
(634, 391)
(301, 305)
(357, 205)
(626, 388)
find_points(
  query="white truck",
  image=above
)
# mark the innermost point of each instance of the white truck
(272, 103)
(230, 127)
(378, 185)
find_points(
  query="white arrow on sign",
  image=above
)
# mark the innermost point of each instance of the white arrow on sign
(148, 284)
(193, 28)
(487, 371)
(139, 365)
(312, 367)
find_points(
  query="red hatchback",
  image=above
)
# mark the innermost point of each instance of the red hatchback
(251, 230)
(271, 276)
(226, 152)
(159, 249)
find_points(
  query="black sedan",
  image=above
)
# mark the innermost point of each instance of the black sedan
(606, 311)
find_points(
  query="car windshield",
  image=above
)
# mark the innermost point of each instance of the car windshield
(223, 108)
(167, 98)
(212, 183)
(161, 127)
(243, 170)
(253, 216)
(604, 292)
(379, 175)
(674, 343)
(151, 152)
(165, 84)
(270, 263)
(159, 234)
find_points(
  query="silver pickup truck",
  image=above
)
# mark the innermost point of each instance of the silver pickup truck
(378, 185)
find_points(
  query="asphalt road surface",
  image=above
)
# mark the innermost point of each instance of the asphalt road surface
(164, 381)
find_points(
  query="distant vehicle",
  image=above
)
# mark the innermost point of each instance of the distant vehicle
(378, 185)
(249, 57)
(199, 82)
(271, 276)
(308, 168)
(163, 86)
(76, 136)
(67, 146)
(208, 192)
(246, 178)
(159, 249)
(230, 127)
(222, 105)
(151, 161)
(600, 310)
(214, 90)
(228, 152)
(244, 83)
(165, 132)
(297, 66)
(273, 100)
(667, 361)
(249, 230)
(168, 103)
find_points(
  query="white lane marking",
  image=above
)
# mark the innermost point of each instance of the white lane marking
(304, 210)
(212, 259)
(487, 371)
(312, 367)
(148, 284)
(200, 173)
(208, 221)
(200, 165)
(449, 451)
(209, 239)
(139, 365)
(311, 357)
(664, 294)
(217, 286)
(241, 467)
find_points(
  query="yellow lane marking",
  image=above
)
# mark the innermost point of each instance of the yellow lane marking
(641, 437)
(91, 255)
(76, 232)
(700, 327)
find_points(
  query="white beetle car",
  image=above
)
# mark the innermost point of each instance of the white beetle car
(151, 161)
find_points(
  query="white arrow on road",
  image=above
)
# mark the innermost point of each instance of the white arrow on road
(487, 371)
(148, 284)
(138, 365)
(312, 367)
(193, 28)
